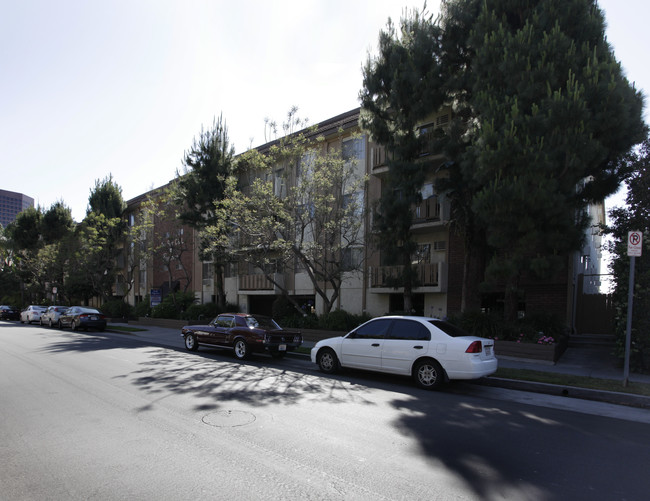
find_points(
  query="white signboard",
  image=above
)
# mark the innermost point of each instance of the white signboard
(634, 243)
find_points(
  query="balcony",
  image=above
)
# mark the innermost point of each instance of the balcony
(432, 277)
(430, 212)
(259, 283)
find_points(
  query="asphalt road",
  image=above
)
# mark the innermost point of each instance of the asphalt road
(105, 416)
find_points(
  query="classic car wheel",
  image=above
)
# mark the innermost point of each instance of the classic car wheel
(327, 361)
(191, 343)
(428, 374)
(241, 349)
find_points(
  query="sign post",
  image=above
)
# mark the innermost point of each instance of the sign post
(634, 246)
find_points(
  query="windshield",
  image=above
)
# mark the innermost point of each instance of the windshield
(261, 322)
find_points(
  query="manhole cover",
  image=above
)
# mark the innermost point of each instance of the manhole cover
(229, 418)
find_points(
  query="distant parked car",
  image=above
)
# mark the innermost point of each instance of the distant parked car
(428, 349)
(9, 313)
(244, 334)
(31, 314)
(51, 316)
(82, 317)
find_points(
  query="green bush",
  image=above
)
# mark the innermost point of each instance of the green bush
(208, 311)
(117, 309)
(143, 308)
(528, 329)
(173, 305)
(341, 320)
(298, 321)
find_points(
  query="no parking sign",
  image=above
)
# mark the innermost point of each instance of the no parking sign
(634, 243)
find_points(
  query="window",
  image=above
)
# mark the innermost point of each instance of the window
(422, 254)
(356, 201)
(353, 150)
(373, 330)
(305, 166)
(225, 321)
(409, 330)
(449, 329)
(351, 259)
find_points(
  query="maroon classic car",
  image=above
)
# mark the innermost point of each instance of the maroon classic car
(244, 334)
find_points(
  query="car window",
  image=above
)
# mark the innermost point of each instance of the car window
(450, 329)
(375, 329)
(224, 321)
(262, 322)
(409, 329)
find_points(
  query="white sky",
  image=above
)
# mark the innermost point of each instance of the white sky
(92, 87)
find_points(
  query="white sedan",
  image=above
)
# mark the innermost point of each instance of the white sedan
(32, 313)
(430, 350)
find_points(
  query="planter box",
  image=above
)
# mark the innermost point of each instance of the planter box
(530, 351)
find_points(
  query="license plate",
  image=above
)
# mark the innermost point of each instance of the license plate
(282, 347)
(93, 318)
(488, 350)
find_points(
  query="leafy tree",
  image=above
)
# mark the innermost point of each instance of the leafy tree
(56, 223)
(295, 207)
(169, 243)
(402, 85)
(207, 164)
(635, 216)
(25, 230)
(92, 252)
(556, 115)
(542, 119)
(106, 198)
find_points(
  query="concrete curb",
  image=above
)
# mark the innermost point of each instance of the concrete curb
(611, 397)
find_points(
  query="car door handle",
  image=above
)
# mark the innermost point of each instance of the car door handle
(418, 347)
(374, 344)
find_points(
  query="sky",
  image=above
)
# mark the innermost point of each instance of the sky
(92, 88)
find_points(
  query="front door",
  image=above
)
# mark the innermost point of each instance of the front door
(362, 348)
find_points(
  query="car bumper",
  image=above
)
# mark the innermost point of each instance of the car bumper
(473, 368)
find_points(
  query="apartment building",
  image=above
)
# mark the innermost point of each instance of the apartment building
(438, 260)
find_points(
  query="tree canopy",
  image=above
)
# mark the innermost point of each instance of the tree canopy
(543, 116)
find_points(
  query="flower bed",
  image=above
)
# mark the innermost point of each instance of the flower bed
(531, 351)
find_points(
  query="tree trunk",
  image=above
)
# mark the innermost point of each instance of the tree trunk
(511, 300)
(473, 267)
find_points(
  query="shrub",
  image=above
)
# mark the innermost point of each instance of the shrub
(167, 309)
(143, 308)
(341, 320)
(117, 309)
(531, 328)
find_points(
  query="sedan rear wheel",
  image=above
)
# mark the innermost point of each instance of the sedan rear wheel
(241, 349)
(428, 374)
(327, 361)
(190, 342)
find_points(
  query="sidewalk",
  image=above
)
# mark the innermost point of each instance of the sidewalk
(594, 362)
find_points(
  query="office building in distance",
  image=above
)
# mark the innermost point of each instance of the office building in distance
(11, 203)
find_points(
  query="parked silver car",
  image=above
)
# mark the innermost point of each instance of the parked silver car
(51, 316)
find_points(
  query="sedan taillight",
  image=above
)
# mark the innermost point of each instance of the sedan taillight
(475, 347)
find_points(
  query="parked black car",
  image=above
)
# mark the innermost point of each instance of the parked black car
(243, 334)
(82, 317)
(9, 313)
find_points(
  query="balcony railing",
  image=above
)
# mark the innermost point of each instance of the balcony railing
(429, 275)
(427, 210)
(259, 282)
